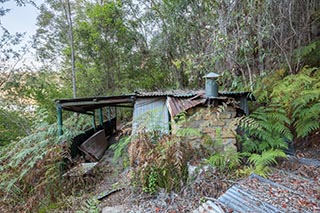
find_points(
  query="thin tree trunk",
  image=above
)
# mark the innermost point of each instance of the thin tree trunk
(67, 10)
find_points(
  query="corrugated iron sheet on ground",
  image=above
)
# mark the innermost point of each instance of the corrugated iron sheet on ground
(282, 192)
(240, 200)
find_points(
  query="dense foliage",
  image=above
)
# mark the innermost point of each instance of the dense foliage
(118, 46)
(159, 165)
(31, 168)
(293, 101)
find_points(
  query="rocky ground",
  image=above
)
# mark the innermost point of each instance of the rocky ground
(119, 195)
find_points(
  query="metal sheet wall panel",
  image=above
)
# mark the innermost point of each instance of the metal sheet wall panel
(150, 114)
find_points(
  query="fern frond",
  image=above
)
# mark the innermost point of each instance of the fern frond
(183, 132)
(267, 157)
(120, 147)
(306, 127)
(262, 170)
(262, 162)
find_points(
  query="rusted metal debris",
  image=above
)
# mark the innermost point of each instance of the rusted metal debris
(178, 105)
(108, 193)
(95, 146)
(81, 169)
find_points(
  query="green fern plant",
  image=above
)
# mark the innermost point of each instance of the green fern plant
(261, 162)
(90, 206)
(223, 159)
(299, 96)
(264, 140)
(227, 161)
(32, 165)
(266, 128)
(291, 110)
(120, 147)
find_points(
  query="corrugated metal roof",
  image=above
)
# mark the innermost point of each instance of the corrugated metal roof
(83, 105)
(86, 104)
(175, 93)
(182, 93)
(177, 105)
(247, 94)
(234, 92)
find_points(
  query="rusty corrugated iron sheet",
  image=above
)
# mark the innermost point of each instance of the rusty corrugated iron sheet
(95, 146)
(246, 94)
(174, 93)
(192, 93)
(177, 105)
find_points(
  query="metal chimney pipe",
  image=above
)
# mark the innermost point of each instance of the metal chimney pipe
(211, 85)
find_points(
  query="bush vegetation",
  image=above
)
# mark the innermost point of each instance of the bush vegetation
(159, 165)
(31, 169)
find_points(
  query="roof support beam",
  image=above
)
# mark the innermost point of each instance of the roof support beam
(78, 111)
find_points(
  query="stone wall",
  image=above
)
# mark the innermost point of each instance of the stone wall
(217, 124)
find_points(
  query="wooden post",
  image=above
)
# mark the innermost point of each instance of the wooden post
(101, 117)
(94, 120)
(59, 118)
(108, 113)
(115, 109)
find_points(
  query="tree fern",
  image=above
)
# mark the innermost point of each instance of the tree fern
(265, 128)
(294, 103)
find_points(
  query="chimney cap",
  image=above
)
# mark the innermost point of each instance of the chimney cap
(211, 75)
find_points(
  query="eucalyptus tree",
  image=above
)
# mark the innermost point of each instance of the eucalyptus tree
(239, 39)
(182, 38)
(13, 123)
(9, 54)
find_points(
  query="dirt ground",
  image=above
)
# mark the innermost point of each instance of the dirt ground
(121, 196)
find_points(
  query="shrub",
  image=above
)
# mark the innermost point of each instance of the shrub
(31, 168)
(159, 165)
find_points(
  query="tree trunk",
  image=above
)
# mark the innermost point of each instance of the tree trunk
(67, 10)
